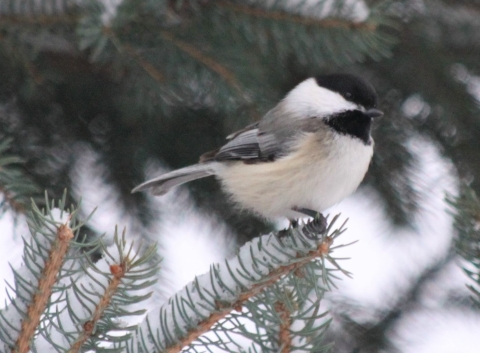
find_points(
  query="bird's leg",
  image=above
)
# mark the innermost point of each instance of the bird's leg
(317, 225)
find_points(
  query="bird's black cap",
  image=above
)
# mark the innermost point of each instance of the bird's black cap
(351, 87)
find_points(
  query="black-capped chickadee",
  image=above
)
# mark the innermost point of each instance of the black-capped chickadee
(306, 154)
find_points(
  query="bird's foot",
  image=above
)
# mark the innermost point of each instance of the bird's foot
(316, 226)
(284, 232)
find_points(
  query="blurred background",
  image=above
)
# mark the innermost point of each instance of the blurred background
(97, 96)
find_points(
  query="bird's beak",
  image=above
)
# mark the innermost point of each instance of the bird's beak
(374, 113)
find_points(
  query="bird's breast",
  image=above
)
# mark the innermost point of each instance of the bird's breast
(321, 170)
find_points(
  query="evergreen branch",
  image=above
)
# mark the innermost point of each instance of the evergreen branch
(144, 64)
(236, 285)
(133, 53)
(118, 272)
(467, 224)
(36, 76)
(205, 60)
(18, 52)
(14, 186)
(275, 275)
(14, 205)
(42, 20)
(106, 296)
(223, 310)
(56, 281)
(279, 16)
(47, 281)
(285, 339)
(30, 68)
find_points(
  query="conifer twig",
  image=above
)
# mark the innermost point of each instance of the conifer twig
(118, 272)
(223, 310)
(33, 72)
(38, 19)
(47, 281)
(284, 336)
(288, 17)
(18, 207)
(195, 53)
(14, 185)
(144, 64)
(133, 53)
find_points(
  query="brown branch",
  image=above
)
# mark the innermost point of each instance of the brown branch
(149, 68)
(18, 207)
(205, 325)
(133, 53)
(288, 17)
(37, 19)
(221, 70)
(36, 76)
(118, 272)
(45, 284)
(284, 337)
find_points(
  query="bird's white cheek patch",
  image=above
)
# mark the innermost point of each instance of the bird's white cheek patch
(309, 99)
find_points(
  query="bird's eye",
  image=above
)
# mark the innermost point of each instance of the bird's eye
(348, 95)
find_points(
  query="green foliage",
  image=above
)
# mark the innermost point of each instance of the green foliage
(270, 294)
(17, 188)
(467, 224)
(157, 79)
(61, 300)
(168, 80)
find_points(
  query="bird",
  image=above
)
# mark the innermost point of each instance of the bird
(306, 154)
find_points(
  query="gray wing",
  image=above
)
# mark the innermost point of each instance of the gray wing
(244, 146)
(268, 140)
(239, 132)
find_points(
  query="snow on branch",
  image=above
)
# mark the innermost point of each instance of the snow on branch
(275, 282)
(15, 187)
(467, 244)
(61, 301)
(267, 298)
(324, 14)
(44, 255)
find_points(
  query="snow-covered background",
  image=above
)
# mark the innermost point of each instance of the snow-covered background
(385, 262)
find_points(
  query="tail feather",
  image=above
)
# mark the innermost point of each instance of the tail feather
(163, 183)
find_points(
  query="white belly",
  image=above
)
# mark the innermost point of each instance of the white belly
(313, 177)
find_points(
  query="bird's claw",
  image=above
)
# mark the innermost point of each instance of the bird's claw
(317, 226)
